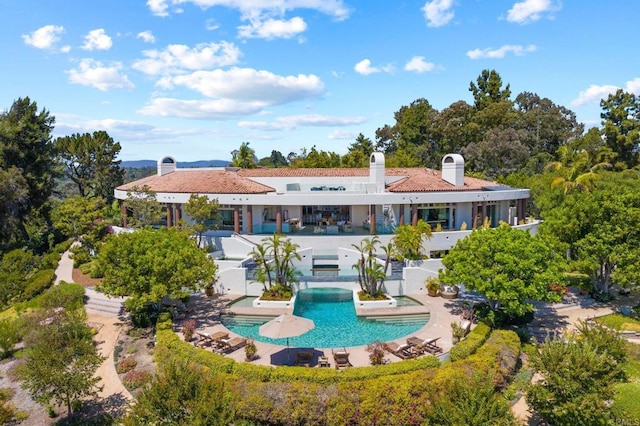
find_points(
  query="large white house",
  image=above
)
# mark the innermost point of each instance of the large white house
(327, 211)
(337, 201)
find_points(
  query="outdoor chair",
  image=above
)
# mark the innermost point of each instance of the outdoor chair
(427, 345)
(341, 358)
(401, 351)
(230, 345)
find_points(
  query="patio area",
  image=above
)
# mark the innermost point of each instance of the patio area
(207, 313)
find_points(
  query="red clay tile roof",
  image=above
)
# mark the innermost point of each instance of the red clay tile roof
(239, 182)
(302, 172)
(429, 180)
(200, 182)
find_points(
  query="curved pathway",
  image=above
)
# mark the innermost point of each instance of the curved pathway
(108, 327)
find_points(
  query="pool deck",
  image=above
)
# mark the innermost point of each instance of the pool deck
(206, 312)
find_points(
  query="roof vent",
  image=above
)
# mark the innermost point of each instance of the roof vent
(453, 169)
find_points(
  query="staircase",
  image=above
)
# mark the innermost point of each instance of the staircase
(98, 303)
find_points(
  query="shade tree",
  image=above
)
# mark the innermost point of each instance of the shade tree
(148, 265)
(510, 267)
(89, 160)
(61, 359)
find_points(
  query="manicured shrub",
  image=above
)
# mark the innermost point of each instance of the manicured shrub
(39, 282)
(64, 295)
(126, 365)
(471, 343)
(80, 255)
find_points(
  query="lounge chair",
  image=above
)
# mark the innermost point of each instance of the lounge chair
(401, 351)
(426, 345)
(230, 345)
(304, 358)
(466, 326)
(341, 358)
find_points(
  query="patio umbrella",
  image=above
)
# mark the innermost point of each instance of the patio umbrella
(286, 325)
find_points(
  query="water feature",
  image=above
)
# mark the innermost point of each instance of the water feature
(336, 322)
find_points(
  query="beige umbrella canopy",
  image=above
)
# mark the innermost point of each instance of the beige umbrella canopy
(286, 325)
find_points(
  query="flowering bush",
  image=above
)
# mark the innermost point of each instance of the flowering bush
(136, 378)
(376, 352)
(126, 365)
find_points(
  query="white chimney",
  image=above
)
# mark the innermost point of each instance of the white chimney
(376, 171)
(166, 165)
(453, 169)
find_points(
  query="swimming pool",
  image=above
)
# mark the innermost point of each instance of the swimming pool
(337, 324)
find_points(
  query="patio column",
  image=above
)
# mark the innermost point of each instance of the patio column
(249, 219)
(123, 213)
(236, 219)
(177, 215)
(474, 215)
(521, 208)
(372, 219)
(278, 219)
(169, 215)
(484, 212)
(401, 212)
(414, 215)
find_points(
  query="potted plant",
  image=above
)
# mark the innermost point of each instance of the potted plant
(433, 286)
(250, 351)
(188, 328)
(376, 352)
(457, 332)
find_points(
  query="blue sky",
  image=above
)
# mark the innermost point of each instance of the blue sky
(195, 78)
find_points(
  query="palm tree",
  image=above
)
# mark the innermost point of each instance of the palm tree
(275, 257)
(244, 157)
(579, 163)
(409, 240)
(371, 274)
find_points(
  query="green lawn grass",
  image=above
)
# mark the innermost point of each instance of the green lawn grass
(620, 322)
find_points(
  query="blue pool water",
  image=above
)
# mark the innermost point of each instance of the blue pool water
(337, 325)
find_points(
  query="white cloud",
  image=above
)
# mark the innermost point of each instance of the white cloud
(343, 134)
(335, 8)
(438, 12)
(633, 86)
(594, 94)
(272, 28)
(200, 109)
(419, 65)
(177, 58)
(158, 7)
(528, 11)
(211, 24)
(501, 52)
(364, 67)
(44, 37)
(94, 74)
(233, 93)
(65, 49)
(97, 39)
(295, 121)
(247, 84)
(146, 36)
(264, 18)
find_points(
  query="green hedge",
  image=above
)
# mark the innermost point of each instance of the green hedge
(402, 393)
(170, 346)
(39, 282)
(471, 343)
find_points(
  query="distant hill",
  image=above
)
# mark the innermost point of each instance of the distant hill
(140, 164)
